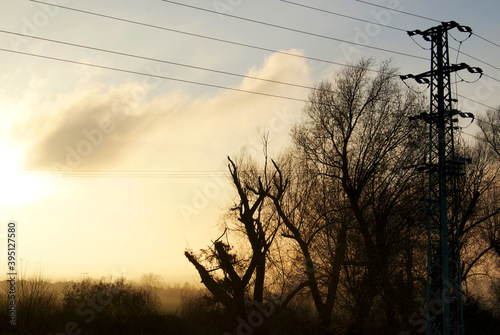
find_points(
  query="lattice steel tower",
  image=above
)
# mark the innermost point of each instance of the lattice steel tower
(444, 291)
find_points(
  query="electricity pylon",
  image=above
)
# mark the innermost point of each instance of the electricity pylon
(444, 311)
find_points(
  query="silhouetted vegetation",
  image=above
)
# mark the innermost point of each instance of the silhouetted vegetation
(334, 225)
(105, 306)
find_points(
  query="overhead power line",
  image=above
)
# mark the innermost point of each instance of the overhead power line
(386, 26)
(475, 101)
(487, 40)
(343, 15)
(294, 30)
(183, 80)
(128, 173)
(381, 25)
(399, 11)
(199, 36)
(422, 17)
(177, 31)
(157, 60)
(477, 59)
(485, 75)
(237, 17)
(155, 76)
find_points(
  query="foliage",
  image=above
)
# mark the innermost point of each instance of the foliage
(112, 301)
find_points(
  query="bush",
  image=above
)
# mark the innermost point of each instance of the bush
(36, 305)
(110, 304)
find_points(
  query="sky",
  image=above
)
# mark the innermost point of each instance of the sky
(118, 116)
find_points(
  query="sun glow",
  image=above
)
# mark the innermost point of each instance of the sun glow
(18, 186)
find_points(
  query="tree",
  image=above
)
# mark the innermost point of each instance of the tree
(306, 206)
(490, 127)
(357, 133)
(232, 275)
(479, 206)
(152, 281)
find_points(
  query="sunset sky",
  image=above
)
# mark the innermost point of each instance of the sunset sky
(109, 169)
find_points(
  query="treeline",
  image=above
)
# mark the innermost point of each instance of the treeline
(335, 226)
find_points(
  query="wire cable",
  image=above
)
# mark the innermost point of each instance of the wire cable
(475, 101)
(487, 40)
(493, 78)
(422, 47)
(157, 60)
(128, 173)
(399, 11)
(343, 15)
(155, 76)
(422, 17)
(477, 59)
(293, 30)
(199, 35)
(206, 37)
(212, 38)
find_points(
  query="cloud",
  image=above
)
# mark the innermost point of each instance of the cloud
(91, 127)
(102, 126)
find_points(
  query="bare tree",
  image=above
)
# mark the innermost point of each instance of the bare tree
(239, 278)
(307, 206)
(490, 127)
(479, 210)
(227, 277)
(357, 133)
(152, 281)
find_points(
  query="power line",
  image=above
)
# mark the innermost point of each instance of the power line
(241, 18)
(399, 11)
(293, 29)
(487, 40)
(199, 35)
(481, 74)
(187, 81)
(157, 60)
(422, 17)
(343, 15)
(195, 35)
(485, 75)
(128, 173)
(384, 25)
(474, 136)
(156, 76)
(477, 59)
(477, 102)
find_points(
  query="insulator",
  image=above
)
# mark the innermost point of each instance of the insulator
(474, 69)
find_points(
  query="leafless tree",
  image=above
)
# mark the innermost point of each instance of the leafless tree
(490, 128)
(357, 133)
(235, 273)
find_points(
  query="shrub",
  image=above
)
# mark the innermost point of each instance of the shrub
(104, 303)
(36, 304)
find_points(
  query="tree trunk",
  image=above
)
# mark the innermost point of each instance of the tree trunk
(364, 299)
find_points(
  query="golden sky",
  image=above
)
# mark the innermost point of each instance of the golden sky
(111, 172)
